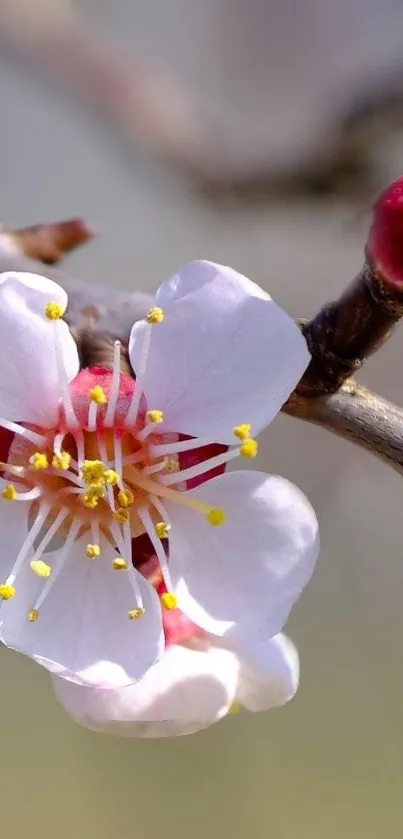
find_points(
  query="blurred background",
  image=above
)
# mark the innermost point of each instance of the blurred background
(254, 133)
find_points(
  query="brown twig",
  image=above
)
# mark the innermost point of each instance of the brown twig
(344, 333)
(48, 243)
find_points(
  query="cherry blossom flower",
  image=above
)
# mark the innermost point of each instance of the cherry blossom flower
(96, 457)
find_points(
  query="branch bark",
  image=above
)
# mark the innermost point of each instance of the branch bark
(358, 415)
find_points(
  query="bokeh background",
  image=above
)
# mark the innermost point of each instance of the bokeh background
(271, 75)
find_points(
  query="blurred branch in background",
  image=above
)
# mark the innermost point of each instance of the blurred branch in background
(142, 104)
(280, 54)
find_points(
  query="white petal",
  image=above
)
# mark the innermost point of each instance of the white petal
(241, 579)
(83, 632)
(13, 531)
(225, 354)
(269, 673)
(185, 691)
(29, 382)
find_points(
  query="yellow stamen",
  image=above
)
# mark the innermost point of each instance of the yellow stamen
(39, 460)
(215, 516)
(155, 315)
(119, 564)
(94, 493)
(61, 461)
(171, 465)
(98, 395)
(53, 310)
(162, 529)
(121, 515)
(92, 471)
(9, 492)
(92, 551)
(155, 417)
(248, 448)
(90, 502)
(111, 477)
(235, 708)
(134, 614)
(168, 600)
(242, 431)
(6, 592)
(125, 497)
(162, 491)
(41, 569)
(33, 615)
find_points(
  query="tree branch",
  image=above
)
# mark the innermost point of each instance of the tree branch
(358, 415)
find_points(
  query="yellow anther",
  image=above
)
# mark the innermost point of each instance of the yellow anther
(168, 600)
(41, 569)
(6, 592)
(125, 497)
(94, 493)
(90, 501)
(92, 551)
(119, 564)
(135, 614)
(111, 477)
(121, 515)
(98, 395)
(9, 492)
(215, 516)
(170, 465)
(33, 615)
(92, 471)
(248, 448)
(155, 315)
(155, 417)
(53, 310)
(162, 529)
(61, 461)
(242, 431)
(235, 708)
(39, 460)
